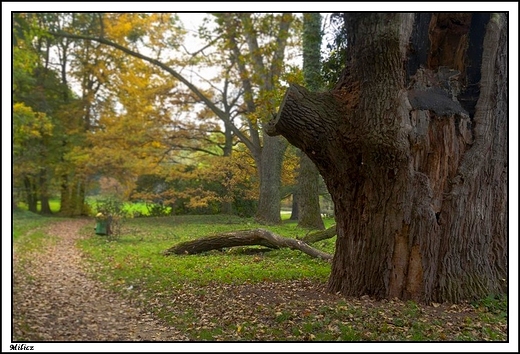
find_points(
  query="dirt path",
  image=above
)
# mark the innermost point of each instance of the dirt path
(55, 300)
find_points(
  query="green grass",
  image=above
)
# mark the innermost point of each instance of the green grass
(202, 295)
(129, 209)
(136, 256)
(135, 261)
(27, 224)
(54, 204)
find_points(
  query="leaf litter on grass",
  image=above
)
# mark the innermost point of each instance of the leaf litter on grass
(301, 310)
(55, 298)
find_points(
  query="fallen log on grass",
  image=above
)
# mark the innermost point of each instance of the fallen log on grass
(314, 237)
(258, 237)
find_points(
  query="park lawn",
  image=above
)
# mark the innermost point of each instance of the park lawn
(27, 224)
(54, 204)
(240, 295)
(129, 209)
(136, 255)
(237, 295)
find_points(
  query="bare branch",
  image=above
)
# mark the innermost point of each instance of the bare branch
(210, 104)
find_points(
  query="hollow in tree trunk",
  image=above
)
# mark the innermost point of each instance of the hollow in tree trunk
(412, 144)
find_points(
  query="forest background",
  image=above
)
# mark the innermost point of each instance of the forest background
(6, 149)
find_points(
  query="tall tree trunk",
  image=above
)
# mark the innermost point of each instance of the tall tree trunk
(31, 196)
(80, 199)
(270, 170)
(309, 214)
(268, 157)
(73, 198)
(64, 194)
(295, 209)
(227, 203)
(44, 193)
(418, 179)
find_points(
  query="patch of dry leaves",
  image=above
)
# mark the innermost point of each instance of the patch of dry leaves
(302, 310)
(55, 300)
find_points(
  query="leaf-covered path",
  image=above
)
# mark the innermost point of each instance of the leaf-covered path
(55, 300)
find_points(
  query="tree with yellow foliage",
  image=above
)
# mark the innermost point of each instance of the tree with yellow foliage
(260, 94)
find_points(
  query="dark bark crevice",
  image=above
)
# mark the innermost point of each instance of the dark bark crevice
(419, 45)
(469, 96)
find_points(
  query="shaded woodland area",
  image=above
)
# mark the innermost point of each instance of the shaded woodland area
(403, 125)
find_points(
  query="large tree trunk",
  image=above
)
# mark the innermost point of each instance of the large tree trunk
(418, 180)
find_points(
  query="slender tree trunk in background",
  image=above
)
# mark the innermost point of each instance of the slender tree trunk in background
(31, 197)
(44, 193)
(64, 194)
(45, 207)
(309, 213)
(270, 170)
(268, 155)
(412, 144)
(295, 209)
(227, 204)
(80, 199)
(73, 198)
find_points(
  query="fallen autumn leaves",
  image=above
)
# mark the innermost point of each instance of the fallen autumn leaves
(55, 299)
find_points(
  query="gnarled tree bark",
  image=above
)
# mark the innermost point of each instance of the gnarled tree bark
(413, 155)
